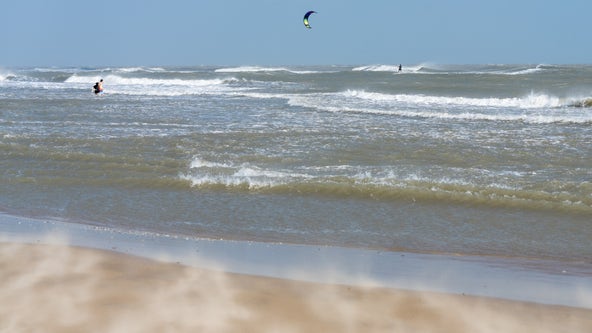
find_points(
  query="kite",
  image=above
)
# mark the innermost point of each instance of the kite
(306, 24)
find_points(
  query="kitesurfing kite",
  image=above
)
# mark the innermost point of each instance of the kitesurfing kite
(306, 24)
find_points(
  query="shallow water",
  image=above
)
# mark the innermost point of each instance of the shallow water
(489, 160)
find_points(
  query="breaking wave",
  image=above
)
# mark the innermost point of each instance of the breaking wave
(533, 108)
(427, 68)
(140, 69)
(345, 181)
(530, 101)
(378, 68)
(114, 79)
(157, 87)
(5, 75)
(257, 69)
(582, 103)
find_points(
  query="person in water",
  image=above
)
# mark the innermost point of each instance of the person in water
(98, 87)
(400, 67)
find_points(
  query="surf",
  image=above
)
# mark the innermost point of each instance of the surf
(431, 68)
(259, 69)
(157, 86)
(6, 75)
(351, 182)
(532, 108)
(532, 100)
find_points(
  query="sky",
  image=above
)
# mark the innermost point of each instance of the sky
(271, 32)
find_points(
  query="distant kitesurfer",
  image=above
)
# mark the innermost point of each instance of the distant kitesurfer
(400, 67)
(98, 87)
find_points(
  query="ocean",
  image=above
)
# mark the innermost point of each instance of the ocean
(488, 160)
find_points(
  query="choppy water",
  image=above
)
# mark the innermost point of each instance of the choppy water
(491, 159)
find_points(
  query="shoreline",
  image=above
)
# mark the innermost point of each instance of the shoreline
(536, 281)
(61, 288)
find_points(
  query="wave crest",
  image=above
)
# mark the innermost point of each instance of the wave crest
(5, 75)
(258, 69)
(428, 68)
(343, 181)
(115, 84)
(532, 108)
(250, 69)
(582, 103)
(530, 101)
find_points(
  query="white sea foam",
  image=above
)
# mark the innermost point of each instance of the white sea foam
(204, 172)
(419, 68)
(429, 68)
(115, 79)
(524, 71)
(530, 101)
(257, 69)
(116, 84)
(130, 69)
(377, 68)
(250, 69)
(4, 75)
(533, 108)
(255, 177)
(139, 69)
(389, 68)
(508, 70)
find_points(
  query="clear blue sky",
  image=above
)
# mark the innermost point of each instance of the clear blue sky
(270, 32)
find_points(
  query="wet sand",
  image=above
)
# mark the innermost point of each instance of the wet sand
(57, 288)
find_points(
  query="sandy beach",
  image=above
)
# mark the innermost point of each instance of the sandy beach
(58, 288)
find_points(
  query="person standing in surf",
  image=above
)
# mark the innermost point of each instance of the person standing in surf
(98, 87)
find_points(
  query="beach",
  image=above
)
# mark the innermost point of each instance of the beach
(345, 198)
(53, 288)
(64, 277)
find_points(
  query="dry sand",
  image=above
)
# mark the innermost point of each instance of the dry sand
(52, 288)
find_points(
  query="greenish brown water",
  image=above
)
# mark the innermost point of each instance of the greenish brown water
(491, 160)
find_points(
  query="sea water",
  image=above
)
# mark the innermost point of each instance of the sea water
(491, 160)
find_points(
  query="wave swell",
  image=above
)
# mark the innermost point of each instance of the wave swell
(390, 186)
(427, 68)
(534, 108)
(116, 84)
